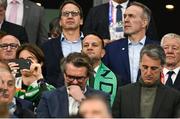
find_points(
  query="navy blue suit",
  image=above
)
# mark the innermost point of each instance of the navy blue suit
(117, 58)
(98, 20)
(53, 54)
(55, 104)
(24, 109)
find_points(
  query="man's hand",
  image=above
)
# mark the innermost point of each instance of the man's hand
(76, 92)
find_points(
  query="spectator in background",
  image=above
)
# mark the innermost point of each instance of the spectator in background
(107, 21)
(17, 108)
(122, 56)
(8, 47)
(95, 106)
(148, 97)
(31, 84)
(171, 71)
(10, 28)
(54, 28)
(70, 20)
(29, 15)
(104, 79)
(64, 101)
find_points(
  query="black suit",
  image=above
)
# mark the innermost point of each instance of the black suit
(127, 102)
(15, 30)
(53, 54)
(177, 82)
(98, 20)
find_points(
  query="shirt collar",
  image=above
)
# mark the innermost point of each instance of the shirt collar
(19, 1)
(124, 4)
(81, 37)
(142, 41)
(176, 70)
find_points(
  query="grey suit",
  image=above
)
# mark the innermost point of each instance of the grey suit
(34, 22)
(127, 102)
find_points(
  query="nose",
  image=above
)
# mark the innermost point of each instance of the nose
(9, 48)
(170, 49)
(148, 71)
(75, 81)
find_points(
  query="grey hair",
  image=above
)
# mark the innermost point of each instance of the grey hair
(146, 10)
(170, 36)
(155, 52)
(78, 60)
(3, 3)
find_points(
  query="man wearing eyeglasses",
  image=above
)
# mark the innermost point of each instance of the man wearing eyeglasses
(70, 20)
(64, 101)
(8, 47)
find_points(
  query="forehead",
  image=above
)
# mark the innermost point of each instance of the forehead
(5, 75)
(70, 7)
(148, 61)
(134, 10)
(174, 41)
(9, 39)
(75, 70)
(91, 38)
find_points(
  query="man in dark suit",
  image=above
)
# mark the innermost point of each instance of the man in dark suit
(101, 17)
(16, 107)
(64, 101)
(32, 18)
(71, 17)
(148, 98)
(11, 28)
(171, 45)
(122, 56)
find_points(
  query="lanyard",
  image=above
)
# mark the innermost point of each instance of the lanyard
(110, 12)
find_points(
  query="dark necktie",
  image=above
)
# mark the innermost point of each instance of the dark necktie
(119, 13)
(169, 80)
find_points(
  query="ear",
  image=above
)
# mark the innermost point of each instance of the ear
(145, 23)
(81, 21)
(103, 53)
(60, 22)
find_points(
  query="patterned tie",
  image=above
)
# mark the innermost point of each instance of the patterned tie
(169, 80)
(119, 13)
(13, 11)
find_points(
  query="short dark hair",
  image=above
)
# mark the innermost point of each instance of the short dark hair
(95, 34)
(34, 49)
(155, 52)
(78, 60)
(70, 2)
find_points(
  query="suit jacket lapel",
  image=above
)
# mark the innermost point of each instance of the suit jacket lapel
(106, 15)
(64, 104)
(135, 99)
(125, 55)
(160, 94)
(56, 45)
(177, 82)
(25, 13)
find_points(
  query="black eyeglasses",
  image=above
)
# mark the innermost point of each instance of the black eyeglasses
(73, 13)
(77, 78)
(11, 45)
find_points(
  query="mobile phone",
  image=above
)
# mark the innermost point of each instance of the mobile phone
(23, 63)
